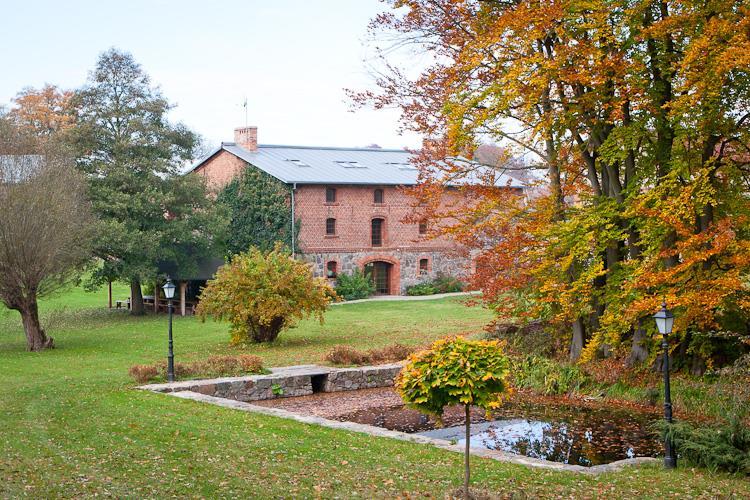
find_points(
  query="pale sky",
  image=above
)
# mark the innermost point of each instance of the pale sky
(291, 58)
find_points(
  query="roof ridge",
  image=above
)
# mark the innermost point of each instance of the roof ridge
(332, 148)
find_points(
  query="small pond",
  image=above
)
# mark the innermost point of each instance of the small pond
(573, 432)
(559, 433)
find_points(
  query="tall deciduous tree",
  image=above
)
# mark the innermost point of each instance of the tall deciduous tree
(44, 111)
(133, 158)
(45, 224)
(638, 113)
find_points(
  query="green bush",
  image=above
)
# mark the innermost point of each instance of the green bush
(421, 289)
(725, 447)
(547, 376)
(441, 284)
(354, 286)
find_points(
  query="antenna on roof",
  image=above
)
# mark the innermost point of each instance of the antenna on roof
(244, 105)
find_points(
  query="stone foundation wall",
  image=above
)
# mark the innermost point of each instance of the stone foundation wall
(439, 262)
(257, 389)
(369, 377)
(288, 382)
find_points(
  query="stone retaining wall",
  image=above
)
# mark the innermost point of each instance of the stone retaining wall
(366, 377)
(287, 382)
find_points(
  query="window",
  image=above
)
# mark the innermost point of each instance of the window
(331, 269)
(330, 195)
(330, 227)
(423, 266)
(378, 196)
(377, 232)
(423, 227)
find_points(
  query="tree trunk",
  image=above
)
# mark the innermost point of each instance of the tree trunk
(466, 452)
(638, 351)
(36, 339)
(265, 333)
(136, 299)
(578, 340)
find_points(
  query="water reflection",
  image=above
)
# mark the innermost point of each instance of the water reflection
(564, 434)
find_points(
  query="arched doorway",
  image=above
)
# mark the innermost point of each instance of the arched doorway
(381, 274)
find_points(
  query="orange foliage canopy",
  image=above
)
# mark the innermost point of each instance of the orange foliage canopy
(635, 116)
(43, 111)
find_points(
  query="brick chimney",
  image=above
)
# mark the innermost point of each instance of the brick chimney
(247, 137)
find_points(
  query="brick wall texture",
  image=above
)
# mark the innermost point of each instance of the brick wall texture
(351, 246)
(219, 170)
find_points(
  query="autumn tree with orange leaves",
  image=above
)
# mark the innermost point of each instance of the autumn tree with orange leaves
(44, 111)
(637, 115)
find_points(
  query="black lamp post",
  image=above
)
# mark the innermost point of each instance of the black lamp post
(664, 321)
(169, 294)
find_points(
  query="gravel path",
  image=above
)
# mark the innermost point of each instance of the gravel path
(335, 404)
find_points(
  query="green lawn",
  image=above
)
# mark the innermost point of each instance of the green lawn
(71, 425)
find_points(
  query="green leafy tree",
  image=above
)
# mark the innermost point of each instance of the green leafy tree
(456, 371)
(259, 212)
(262, 293)
(133, 157)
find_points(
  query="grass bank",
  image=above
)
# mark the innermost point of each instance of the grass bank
(72, 425)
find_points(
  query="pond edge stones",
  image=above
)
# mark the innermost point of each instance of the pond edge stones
(291, 381)
(303, 380)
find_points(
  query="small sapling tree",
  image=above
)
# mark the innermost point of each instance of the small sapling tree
(456, 371)
(262, 293)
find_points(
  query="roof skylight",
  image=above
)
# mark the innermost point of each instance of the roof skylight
(350, 164)
(298, 163)
(402, 165)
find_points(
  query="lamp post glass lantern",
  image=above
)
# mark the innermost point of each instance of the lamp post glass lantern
(169, 289)
(664, 322)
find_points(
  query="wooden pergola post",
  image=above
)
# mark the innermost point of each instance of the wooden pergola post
(183, 293)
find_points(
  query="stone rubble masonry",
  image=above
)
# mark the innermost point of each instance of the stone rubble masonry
(287, 382)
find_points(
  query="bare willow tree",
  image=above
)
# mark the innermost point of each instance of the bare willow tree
(45, 224)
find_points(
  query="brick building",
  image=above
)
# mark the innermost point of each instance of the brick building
(350, 207)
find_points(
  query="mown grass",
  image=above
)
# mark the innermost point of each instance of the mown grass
(71, 425)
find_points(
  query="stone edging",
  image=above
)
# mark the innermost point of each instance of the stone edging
(380, 432)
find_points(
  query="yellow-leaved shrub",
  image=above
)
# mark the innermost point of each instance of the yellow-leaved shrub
(263, 293)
